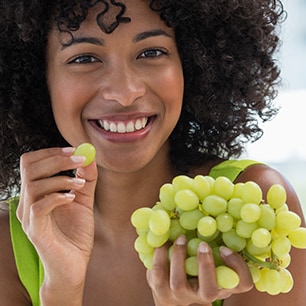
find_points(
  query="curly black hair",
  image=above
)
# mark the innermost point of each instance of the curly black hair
(227, 50)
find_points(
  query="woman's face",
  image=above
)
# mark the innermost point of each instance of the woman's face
(122, 91)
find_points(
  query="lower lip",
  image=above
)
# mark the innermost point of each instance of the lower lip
(124, 137)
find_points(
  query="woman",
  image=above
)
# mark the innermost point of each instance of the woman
(160, 88)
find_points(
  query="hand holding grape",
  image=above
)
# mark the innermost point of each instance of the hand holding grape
(56, 212)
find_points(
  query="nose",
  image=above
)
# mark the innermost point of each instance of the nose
(122, 84)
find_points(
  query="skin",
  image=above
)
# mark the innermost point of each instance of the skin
(84, 238)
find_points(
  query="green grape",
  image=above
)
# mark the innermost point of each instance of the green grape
(209, 238)
(223, 187)
(191, 266)
(234, 207)
(238, 188)
(159, 206)
(297, 238)
(233, 241)
(255, 272)
(227, 278)
(189, 219)
(202, 186)
(140, 218)
(267, 217)
(287, 221)
(261, 237)
(181, 182)
(225, 222)
(281, 246)
(250, 212)
(141, 244)
(159, 222)
(186, 199)
(287, 280)
(251, 193)
(207, 226)
(147, 260)
(260, 285)
(244, 229)
(217, 257)
(214, 205)
(284, 261)
(276, 196)
(87, 150)
(192, 246)
(176, 230)
(258, 252)
(166, 196)
(272, 281)
(157, 241)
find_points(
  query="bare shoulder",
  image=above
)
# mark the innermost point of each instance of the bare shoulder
(266, 176)
(12, 292)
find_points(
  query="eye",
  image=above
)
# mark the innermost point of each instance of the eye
(84, 59)
(152, 53)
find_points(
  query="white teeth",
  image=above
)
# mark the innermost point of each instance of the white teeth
(123, 127)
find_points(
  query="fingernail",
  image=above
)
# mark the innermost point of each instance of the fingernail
(69, 195)
(225, 251)
(77, 159)
(181, 240)
(78, 181)
(203, 247)
(68, 150)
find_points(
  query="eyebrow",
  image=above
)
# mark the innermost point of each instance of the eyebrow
(152, 33)
(100, 42)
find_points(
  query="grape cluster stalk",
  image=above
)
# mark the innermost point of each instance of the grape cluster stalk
(222, 213)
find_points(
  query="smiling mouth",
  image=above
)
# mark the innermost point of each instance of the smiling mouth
(122, 127)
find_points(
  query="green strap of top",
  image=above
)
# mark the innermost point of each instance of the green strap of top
(29, 266)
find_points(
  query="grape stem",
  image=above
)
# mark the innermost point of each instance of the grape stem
(261, 263)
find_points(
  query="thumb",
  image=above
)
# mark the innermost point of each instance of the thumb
(86, 194)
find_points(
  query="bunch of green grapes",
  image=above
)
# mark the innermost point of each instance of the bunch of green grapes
(222, 213)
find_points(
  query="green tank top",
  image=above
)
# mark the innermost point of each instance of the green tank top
(29, 266)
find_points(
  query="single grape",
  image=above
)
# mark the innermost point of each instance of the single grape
(87, 150)
(207, 226)
(272, 281)
(225, 222)
(157, 241)
(250, 212)
(261, 237)
(287, 221)
(244, 229)
(223, 187)
(147, 260)
(234, 207)
(227, 278)
(141, 244)
(192, 246)
(159, 222)
(176, 229)
(251, 193)
(189, 219)
(258, 252)
(276, 196)
(140, 218)
(233, 241)
(214, 205)
(287, 280)
(281, 246)
(166, 196)
(181, 182)
(186, 199)
(201, 186)
(191, 266)
(255, 272)
(297, 238)
(267, 217)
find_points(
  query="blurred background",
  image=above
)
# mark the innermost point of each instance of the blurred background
(283, 145)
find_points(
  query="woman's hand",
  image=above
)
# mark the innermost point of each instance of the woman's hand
(56, 213)
(171, 287)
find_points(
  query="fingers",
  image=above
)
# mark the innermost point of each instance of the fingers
(170, 284)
